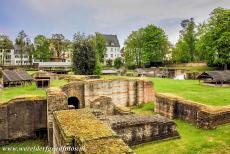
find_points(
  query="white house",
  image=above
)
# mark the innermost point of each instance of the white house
(113, 47)
(5, 56)
(13, 57)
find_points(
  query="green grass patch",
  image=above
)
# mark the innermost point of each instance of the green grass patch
(24, 144)
(192, 141)
(12, 92)
(192, 90)
(188, 89)
(147, 109)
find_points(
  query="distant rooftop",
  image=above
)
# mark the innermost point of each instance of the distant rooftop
(111, 40)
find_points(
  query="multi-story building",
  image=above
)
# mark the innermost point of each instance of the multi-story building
(112, 47)
(13, 57)
(6, 56)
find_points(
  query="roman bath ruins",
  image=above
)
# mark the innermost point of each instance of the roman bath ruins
(95, 114)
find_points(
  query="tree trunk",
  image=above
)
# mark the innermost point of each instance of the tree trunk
(225, 66)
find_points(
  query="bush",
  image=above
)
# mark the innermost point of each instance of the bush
(118, 63)
(109, 63)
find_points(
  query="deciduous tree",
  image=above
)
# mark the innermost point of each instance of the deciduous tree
(21, 42)
(214, 39)
(5, 44)
(42, 48)
(84, 54)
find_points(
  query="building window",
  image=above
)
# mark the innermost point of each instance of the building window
(25, 56)
(111, 55)
(106, 55)
(8, 56)
(111, 49)
(16, 56)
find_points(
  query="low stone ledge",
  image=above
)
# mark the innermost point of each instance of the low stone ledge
(204, 116)
(137, 129)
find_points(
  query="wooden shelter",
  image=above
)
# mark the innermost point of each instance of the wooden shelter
(16, 78)
(215, 77)
(42, 82)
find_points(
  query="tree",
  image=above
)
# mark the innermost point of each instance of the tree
(118, 63)
(42, 50)
(84, 55)
(180, 53)
(58, 42)
(185, 47)
(146, 45)
(155, 44)
(5, 44)
(30, 50)
(100, 45)
(109, 62)
(21, 42)
(134, 48)
(214, 36)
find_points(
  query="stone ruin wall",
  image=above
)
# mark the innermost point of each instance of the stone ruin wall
(123, 92)
(203, 116)
(137, 129)
(23, 118)
(97, 139)
(118, 92)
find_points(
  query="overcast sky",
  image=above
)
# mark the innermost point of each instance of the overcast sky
(106, 16)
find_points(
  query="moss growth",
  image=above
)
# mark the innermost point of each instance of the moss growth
(82, 124)
(107, 146)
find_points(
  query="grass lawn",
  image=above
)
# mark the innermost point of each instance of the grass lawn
(192, 90)
(9, 93)
(189, 89)
(24, 144)
(192, 141)
(146, 109)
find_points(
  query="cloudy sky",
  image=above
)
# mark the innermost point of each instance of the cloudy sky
(106, 16)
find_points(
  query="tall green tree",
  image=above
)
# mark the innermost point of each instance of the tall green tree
(214, 38)
(5, 44)
(155, 44)
(146, 45)
(84, 54)
(30, 50)
(58, 42)
(100, 45)
(42, 48)
(185, 50)
(21, 42)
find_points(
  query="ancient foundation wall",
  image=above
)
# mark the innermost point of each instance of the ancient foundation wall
(23, 118)
(204, 116)
(123, 92)
(98, 94)
(136, 129)
(89, 135)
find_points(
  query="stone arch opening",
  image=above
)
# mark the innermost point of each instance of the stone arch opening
(74, 102)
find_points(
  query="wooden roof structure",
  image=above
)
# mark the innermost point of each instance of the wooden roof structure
(15, 76)
(216, 76)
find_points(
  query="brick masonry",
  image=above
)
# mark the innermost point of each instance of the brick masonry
(204, 116)
(22, 118)
(98, 94)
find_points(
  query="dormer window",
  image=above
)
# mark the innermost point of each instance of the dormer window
(112, 44)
